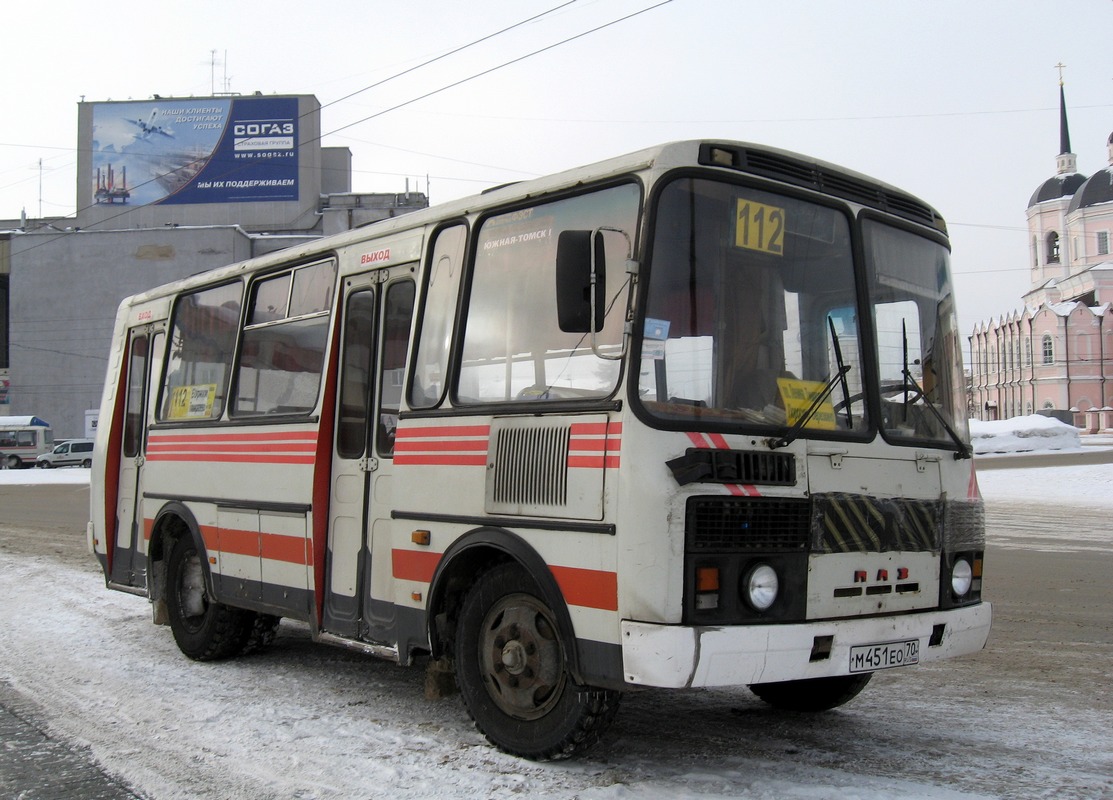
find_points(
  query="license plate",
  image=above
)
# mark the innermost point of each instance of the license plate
(872, 657)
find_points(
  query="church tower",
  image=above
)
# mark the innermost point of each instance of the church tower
(1050, 254)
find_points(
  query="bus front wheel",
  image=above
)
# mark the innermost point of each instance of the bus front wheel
(512, 669)
(204, 629)
(812, 694)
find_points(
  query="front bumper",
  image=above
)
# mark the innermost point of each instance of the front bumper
(676, 656)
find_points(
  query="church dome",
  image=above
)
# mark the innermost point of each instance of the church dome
(1095, 191)
(1057, 186)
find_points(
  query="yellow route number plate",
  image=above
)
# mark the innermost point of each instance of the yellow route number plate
(759, 227)
(192, 402)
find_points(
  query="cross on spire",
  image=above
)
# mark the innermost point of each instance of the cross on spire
(1060, 66)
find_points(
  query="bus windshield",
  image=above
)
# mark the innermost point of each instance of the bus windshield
(753, 319)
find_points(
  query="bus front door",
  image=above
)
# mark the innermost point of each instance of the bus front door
(129, 550)
(377, 310)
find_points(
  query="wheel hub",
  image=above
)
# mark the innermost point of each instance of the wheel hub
(514, 657)
(522, 659)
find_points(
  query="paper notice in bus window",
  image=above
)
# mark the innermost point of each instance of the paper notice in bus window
(192, 402)
(797, 397)
(759, 227)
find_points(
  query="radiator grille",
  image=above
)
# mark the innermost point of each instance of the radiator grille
(766, 524)
(734, 466)
(847, 523)
(531, 466)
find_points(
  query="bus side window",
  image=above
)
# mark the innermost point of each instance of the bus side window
(202, 340)
(284, 341)
(133, 416)
(397, 312)
(438, 313)
(355, 374)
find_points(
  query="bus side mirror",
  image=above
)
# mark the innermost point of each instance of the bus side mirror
(580, 281)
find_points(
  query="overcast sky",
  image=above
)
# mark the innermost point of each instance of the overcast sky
(955, 101)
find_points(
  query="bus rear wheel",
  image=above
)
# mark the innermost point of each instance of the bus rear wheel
(14, 462)
(812, 694)
(512, 668)
(203, 629)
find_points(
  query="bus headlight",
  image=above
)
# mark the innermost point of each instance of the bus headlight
(962, 577)
(760, 587)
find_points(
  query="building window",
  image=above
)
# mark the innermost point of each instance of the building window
(1053, 248)
(1048, 349)
(1048, 404)
(1027, 352)
(1035, 252)
(1103, 243)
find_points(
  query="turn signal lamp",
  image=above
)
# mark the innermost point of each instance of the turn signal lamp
(707, 587)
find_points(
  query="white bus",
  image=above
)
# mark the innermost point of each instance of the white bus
(22, 440)
(690, 417)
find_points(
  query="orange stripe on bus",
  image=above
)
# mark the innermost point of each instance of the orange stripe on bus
(590, 588)
(232, 458)
(273, 546)
(290, 549)
(414, 565)
(588, 428)
(237, 542)
(236, 437)
(593, 462)
(443, 446)
(595, 445)
(228, 447)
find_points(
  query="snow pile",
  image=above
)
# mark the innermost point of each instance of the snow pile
(1023, 435)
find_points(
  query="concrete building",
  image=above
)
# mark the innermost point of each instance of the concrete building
(1055, 354)
(166, 188)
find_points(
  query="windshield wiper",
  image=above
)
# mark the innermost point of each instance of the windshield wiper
(843, 369)
(793, 433)
(963, 448)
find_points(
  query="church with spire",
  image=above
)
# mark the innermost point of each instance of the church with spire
(1055, 354)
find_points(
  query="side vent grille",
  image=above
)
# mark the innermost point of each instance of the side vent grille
(731, 525)
(531, 467)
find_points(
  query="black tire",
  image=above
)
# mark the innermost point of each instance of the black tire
(512, 669)
(263, 630)
(87, 463)
(204, 629)
(813, 694)
(45, 465)
(14, 462)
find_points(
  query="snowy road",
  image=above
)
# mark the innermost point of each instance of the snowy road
(1031, 717)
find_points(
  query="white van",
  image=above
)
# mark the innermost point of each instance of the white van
(68, 454)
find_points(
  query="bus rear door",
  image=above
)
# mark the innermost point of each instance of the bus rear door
(377, 309)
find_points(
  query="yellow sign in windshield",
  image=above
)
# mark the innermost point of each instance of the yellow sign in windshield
(759, 227)
(798, 395)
